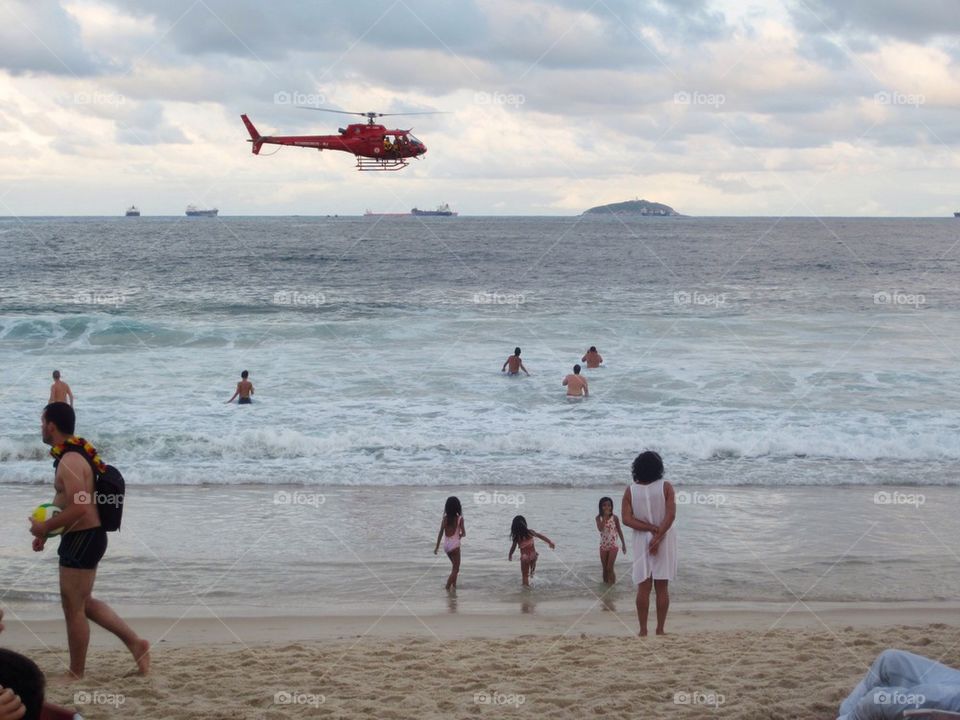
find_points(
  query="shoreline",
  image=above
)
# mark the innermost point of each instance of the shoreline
(200, 625)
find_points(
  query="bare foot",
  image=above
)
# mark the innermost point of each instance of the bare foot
(63, 679)
(642, 633)
(141, 655)
(661, 632)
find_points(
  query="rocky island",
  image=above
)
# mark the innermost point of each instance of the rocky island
(634, 207)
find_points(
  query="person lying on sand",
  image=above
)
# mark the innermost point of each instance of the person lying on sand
(899, 681)
(22, 687)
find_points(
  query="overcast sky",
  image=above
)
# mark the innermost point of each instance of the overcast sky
(716, 107)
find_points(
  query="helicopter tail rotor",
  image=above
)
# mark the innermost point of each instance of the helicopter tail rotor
(255, 136)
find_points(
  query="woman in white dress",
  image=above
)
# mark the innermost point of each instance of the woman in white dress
(650, 507)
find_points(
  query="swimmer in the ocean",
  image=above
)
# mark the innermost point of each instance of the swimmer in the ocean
(593, 359)
(244, 390)
(514, 363)
(60, 391)
(576, 384)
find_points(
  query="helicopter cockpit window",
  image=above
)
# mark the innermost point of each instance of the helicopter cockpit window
(412, 139)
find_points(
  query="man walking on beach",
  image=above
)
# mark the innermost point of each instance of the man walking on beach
(514, 364)
(244, 390)
(60, 391)
(576, 384)
(82, 544)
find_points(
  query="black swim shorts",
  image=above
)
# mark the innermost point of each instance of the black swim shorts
(82, 549)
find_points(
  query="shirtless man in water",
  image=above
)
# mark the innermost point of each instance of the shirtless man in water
(244, 390)
(82, 545)
(593, 359)
(60, 391)
(514, 363)
(576, 384)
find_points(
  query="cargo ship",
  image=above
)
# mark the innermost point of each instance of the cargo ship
(193, 211)
(442, 210)
(133, 211)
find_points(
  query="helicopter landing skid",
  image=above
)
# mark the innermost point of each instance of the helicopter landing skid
(377, 164)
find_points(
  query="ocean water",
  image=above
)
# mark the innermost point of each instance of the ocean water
(748, 351)
(795, 367)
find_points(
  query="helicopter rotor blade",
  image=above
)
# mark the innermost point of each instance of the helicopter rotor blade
(371, 115)
(341, 112)
(430, 112)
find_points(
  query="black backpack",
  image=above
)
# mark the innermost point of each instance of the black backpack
(109, 490)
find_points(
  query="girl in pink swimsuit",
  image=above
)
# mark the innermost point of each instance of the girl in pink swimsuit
(609, 526)
(523, 539)
(451, 530)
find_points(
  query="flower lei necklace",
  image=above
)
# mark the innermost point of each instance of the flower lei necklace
(89, 450)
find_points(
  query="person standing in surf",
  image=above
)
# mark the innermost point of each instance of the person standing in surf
(522, 537)
(83, 543)
(592, 358)
(514, 363)
(608, 525)
(451, 532)
(60, 391)
(244, 390)
(576, 384)
(650, 508)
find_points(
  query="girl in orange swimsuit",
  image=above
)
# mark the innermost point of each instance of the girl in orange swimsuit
(523, 539)
(451, 530)
(609, 526)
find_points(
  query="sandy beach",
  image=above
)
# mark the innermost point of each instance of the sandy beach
(733, 661)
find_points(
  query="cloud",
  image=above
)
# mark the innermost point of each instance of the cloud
(916, 21)
(41, 37)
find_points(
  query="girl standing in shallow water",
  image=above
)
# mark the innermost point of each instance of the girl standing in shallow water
(609, 526)
(451, 530)
(523, 539)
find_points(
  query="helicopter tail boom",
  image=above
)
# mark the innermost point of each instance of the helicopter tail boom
(255, 137)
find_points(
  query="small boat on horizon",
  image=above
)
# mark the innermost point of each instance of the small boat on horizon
(371, 213)
(194, 211)
(957, 214)
(133, 211)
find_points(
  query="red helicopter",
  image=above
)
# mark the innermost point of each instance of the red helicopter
(376, 147)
